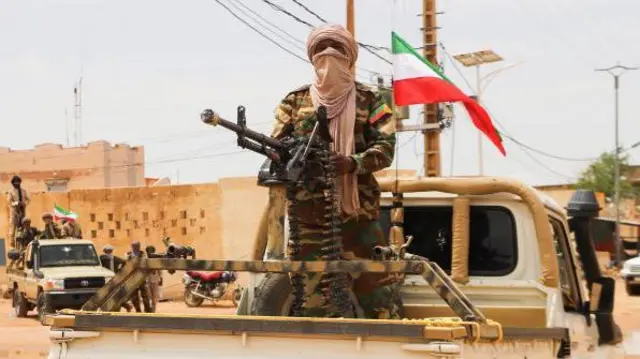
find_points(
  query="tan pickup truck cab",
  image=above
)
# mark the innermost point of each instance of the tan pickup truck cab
(58, 274)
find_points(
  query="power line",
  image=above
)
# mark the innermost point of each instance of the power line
(295, 42)
(278, 44)
(543, 165)
(504, 133)
(161, 139)
(379, 48)
(285, 11)
(309, 10)
(299, 44)
(259, 32)
(296, 18)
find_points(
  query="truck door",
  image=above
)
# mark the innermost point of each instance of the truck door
(31, 282)
(584, 337)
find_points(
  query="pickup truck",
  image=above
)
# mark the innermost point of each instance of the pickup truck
(631, 274)
(58, 274)
(508, 275)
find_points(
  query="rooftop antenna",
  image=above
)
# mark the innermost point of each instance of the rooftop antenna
(77, 116)
(66, 124)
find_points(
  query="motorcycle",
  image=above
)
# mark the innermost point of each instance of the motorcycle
(212, 286)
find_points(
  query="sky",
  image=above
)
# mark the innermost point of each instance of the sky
(149, 68)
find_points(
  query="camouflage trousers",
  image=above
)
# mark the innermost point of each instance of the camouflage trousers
(372, 290)
(142, 293)
(15, 218)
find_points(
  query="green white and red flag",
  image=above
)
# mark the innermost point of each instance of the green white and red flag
(61, 213)
(417, 81)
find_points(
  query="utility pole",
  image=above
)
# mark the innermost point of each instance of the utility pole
(478, 59)
(617, 71)
(431, 138)
(351, 24)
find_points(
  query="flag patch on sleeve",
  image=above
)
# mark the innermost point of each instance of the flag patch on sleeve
(382, 112)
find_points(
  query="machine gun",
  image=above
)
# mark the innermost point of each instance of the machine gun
(289, 160)
(301, 162)
(173, 251)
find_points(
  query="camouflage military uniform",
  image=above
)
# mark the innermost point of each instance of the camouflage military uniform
(71, 229)
(17, 210)
(24, 235)
(51, 231)
(374, 150)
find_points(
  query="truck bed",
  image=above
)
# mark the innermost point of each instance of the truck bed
(125, 335)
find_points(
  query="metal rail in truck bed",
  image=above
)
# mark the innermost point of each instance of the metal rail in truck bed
(414, 330)
(119, 289)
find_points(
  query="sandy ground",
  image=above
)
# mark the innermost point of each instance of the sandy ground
(26, 338)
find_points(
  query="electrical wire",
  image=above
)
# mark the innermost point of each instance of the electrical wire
(365, 79)
(289, 38)
(309, 10)
(299, 44)
(261, 33)
(161, 139)
(541, 164)
(366, 47)
(504, 133)
(374, 47)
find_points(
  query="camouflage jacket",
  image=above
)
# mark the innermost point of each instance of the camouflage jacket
(51, 231)
(375, 141)
(13, 196)
(26, 235)
(72, 230)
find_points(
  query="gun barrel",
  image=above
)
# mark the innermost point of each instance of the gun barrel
(263, 150)
(211, 118)
(382, 251)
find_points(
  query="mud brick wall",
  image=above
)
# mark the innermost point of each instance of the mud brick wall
(218, 219)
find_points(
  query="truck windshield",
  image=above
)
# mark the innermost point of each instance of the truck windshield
(492, 250)
(68, 255)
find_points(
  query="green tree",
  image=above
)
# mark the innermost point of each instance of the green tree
(599, 176)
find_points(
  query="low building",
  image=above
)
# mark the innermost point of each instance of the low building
(53, 168)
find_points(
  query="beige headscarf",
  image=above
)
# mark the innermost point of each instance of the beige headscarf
(334, 88)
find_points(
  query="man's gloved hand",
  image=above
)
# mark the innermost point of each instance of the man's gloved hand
(344, 164)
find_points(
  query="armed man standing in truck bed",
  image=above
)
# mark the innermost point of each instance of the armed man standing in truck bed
(18, 200)
(363, 129)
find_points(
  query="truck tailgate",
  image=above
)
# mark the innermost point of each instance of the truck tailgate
(115, 335)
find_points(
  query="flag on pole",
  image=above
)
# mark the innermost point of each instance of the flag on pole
(417, 81)
(60, 213)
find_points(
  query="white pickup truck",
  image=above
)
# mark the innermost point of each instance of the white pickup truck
(59, 274)
(515, 287)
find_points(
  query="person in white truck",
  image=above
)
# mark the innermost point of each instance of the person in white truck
(58, 274)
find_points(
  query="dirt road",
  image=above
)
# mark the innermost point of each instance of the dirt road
(27, 339)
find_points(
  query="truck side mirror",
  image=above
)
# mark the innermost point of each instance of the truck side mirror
(29, 264)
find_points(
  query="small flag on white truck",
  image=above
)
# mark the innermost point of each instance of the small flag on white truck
(61, 213)
(417, 81)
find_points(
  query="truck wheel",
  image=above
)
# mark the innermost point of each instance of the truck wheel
(20, 305)
(274, 297)
(191, 300)
(44, 307)
(632, 290)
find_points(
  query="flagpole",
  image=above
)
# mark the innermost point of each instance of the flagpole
(478, 94)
